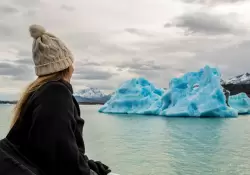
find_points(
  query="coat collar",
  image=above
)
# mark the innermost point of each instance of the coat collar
(68, 85)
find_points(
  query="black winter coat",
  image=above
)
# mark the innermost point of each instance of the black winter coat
(49, 131)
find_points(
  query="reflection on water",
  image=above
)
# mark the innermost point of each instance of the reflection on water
(145, 145)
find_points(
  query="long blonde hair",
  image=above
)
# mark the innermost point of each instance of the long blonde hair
(40, 81)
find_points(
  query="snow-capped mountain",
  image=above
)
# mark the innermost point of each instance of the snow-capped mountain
(240, 79)
(91, 95)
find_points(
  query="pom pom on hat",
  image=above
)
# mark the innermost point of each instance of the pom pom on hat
(36, 31)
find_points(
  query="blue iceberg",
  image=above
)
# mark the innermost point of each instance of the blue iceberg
(196, 94)
(136, 96)
(240, 102)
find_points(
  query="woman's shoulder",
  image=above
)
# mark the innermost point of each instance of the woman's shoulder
(54, 88)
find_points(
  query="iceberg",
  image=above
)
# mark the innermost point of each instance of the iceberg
(240, 102)
(195, 94)
(135, 96)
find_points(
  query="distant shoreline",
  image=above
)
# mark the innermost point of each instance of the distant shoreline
(80, 103)
(8, 102)
(89, 103)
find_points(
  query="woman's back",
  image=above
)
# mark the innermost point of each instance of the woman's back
(45, 131)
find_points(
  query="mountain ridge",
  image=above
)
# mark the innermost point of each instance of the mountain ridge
(239, 79)
(91, 96)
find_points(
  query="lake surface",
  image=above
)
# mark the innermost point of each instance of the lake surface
(152, 145)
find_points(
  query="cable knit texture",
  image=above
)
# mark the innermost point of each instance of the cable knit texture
(49, 53)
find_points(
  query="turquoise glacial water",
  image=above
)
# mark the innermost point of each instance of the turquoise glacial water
(153, 145)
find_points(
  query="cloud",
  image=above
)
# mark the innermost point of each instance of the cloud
(67, 8)
(24, 53)
(89, 63)
(91, 71)
(25, 62)
(138, 32)
(26, 3)
(15, 71)
(105, 40)
(212, 2)
(208, 23)
(233, 60)
(5, 30)
(150, 69)
(7, 10)
(93, 75)
(140, 64)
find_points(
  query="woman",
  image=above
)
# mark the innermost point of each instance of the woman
(46, 133)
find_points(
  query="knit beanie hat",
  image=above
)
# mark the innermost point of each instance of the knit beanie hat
(50, 55)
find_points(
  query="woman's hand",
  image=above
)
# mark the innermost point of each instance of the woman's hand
(99, 167)
(104, 169)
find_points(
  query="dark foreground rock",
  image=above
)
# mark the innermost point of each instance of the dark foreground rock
(238, 84)
(237, 88)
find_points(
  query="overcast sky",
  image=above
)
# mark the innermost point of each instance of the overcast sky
(115, 40)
